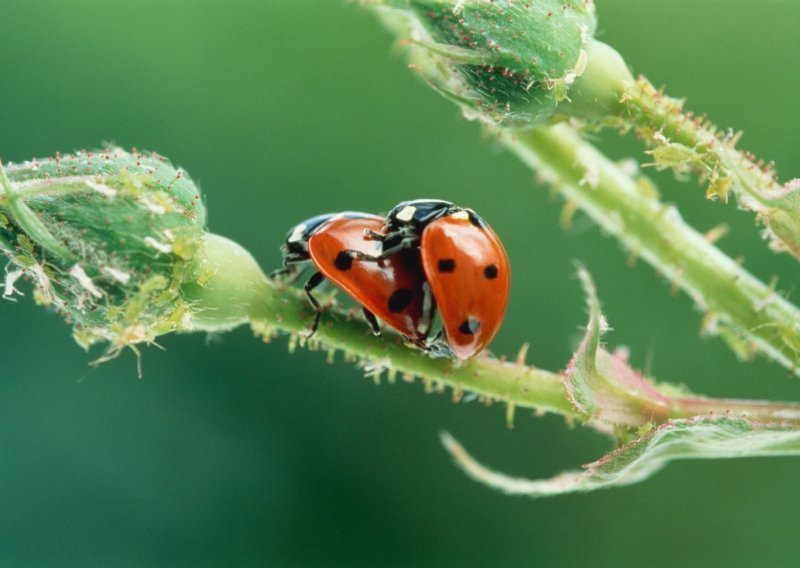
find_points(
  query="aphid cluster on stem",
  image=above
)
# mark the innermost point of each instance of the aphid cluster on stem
(425, 255)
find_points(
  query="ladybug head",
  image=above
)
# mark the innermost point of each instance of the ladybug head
(296, 240)
(414, 216)
(417, 213)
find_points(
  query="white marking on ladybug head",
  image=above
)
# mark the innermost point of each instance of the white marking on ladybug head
(406, 213)
(460, 215)
(297, 234)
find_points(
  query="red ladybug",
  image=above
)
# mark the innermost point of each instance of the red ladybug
(394, 290)
(464, 262)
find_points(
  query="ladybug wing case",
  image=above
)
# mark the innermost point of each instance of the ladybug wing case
(469, 274)
(394, 289)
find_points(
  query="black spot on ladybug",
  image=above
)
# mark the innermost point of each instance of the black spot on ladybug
(343, 261)
(469, 326)
(447, 265)
(399, 300)
(490, 271)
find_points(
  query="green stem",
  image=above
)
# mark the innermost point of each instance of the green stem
(749, 314)
(684, 142)
(239, 293)
(753, 409)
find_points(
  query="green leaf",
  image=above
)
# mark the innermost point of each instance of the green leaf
(617, 399)
(602, 386)
(693, 438)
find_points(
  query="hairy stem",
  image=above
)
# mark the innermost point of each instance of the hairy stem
(239, 293)
(684, 142)
(748, 313)
(688, 407)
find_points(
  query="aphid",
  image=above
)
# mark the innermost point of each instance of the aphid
(464, 263)
(394, 290)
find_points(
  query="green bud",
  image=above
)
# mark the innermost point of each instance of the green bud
(518, 61)
(107, 239)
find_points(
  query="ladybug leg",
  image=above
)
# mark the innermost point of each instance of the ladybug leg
(358, 255)
(397, 241)
(292, 266)
(373, 235)
(316, 279)
(372, 321)
(436, 348)
(405, 243)
(439, 347)
(291, 269)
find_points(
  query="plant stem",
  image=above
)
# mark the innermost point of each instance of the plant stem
(688, 407)
(239, 293)
(748, 314)
(684, 142)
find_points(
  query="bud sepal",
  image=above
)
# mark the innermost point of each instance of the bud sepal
(107, 238)
(512, 63)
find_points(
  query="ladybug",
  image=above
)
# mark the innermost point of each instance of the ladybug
(464, 262)
(394, 290)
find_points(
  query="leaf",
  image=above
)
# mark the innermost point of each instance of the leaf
(602, 386)
(692, 438)
(617, 399)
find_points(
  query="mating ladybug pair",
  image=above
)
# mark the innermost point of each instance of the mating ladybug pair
(425, 255)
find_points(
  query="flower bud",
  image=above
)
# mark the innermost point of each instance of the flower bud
(518, 61)
(106, 238)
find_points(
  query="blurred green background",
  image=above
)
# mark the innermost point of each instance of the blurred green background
(233, 452)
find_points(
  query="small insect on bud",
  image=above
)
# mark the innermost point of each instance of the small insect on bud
(514, 62)
(107, 240)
